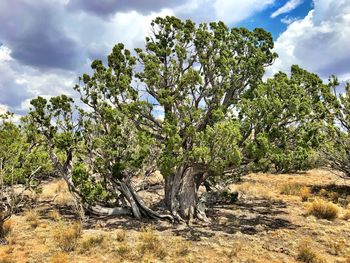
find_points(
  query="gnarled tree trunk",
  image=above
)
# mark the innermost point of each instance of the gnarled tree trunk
(181, 194)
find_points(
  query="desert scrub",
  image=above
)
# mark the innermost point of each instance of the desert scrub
(67, 236)
(323, 209)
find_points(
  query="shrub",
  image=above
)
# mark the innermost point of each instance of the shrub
(67, 236)
(324, 210)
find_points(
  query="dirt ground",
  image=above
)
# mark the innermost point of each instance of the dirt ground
(270, 222)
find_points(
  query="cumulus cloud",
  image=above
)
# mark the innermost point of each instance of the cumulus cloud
(235, 10)
(287, 7)
(20, 83)
(319, 42)
(34, 31)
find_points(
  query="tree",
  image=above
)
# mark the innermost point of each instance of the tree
(284, 120)
(19, 163)
(196, 75)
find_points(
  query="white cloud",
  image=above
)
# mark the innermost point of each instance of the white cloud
(236, 10)
(319, 42)
(288, 20)
(287, 7)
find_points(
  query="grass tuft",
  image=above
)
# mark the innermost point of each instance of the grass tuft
(32, 217)
(92, 242)
(307, 254)
(323, 209)
(67, 236)
(150, 243)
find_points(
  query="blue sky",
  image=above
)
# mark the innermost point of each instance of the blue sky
(47, 44)
(275, 25)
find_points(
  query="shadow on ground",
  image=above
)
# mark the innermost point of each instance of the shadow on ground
(247, 216)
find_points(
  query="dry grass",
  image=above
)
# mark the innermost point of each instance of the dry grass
(336, 247)
(253, 189)
(323, 209)
(120, 235)
(305, 193)
(60, 257)
(346, 215)
(58, 192)
(90, 242)
(150, 243)
(32, 217)
(291, 188)
(54, 215)
(307, 254)
(123, 249)
(255, 229)
(7, 227)
(67, 236)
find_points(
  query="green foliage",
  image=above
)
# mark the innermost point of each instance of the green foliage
(283, 121)
(197, 74)
(90, 189)
(336, 150)
(18, 157)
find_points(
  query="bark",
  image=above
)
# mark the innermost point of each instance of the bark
(181, 194)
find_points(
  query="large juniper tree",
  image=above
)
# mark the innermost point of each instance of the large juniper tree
(196, 75)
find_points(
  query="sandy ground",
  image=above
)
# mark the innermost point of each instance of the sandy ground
(265, 225)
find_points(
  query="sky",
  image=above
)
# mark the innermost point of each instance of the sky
(45, 45)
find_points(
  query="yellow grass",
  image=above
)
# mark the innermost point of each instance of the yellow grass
(67, 236)
(323, 209)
